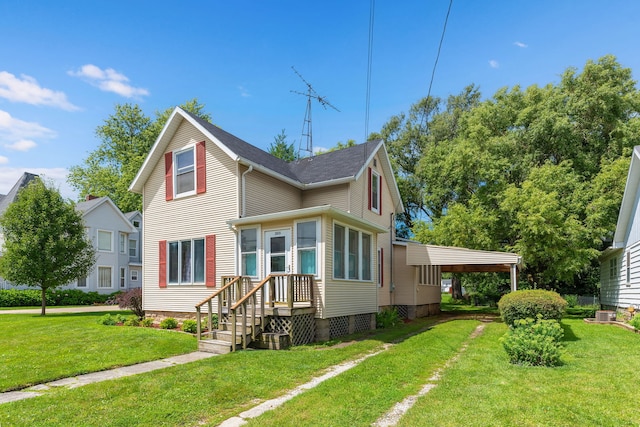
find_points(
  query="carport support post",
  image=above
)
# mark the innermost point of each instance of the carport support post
(514, 277)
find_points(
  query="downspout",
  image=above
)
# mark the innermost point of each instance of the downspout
(244, 187)
(391, 239)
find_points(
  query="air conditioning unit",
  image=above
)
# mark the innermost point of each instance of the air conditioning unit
(605, 316)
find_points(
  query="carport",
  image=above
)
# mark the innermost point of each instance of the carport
(460, 260)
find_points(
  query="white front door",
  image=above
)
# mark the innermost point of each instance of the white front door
(277, 251)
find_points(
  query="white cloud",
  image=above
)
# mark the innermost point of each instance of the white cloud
(58, 176)
(21, 145)
(244, 92)
(493, 63)
(13, 130)
(109, 80)
(520, 44)
(26, 89)
(4, 160)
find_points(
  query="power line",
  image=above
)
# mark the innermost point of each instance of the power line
(369, 62)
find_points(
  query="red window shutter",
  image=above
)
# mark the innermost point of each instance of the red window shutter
(201, 168)
(382, 267)
(168, 175)
(369, 192)
(210, 268)
(162, 264)
(380, 194)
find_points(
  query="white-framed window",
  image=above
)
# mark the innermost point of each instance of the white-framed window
(136, 224)
(123, 277)
(351, 253)
(134, 275)
(184, 171)
(249, 251)
(105, 241)
(375, 191)
(133, 248)
(123, 243)
(613, 268)
(306, 239)
(186, 261)
(82, 282)
(105, 278)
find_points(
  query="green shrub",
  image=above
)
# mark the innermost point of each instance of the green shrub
(53, 297)
(131, 300)
(529, 303)
(147, 322)
(572, 300)
(169, 323)
(132, 321)
(534, 342)
(387, 318)
(635, 322)
(584, 311)
(190, 326)
(107, 320)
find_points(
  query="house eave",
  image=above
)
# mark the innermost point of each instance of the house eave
(307, 212)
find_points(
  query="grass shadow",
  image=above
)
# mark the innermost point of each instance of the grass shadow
(569, 336)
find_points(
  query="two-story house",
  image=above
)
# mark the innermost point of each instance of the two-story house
(215, 206)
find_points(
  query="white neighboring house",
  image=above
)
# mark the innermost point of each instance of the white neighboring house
(115, 236)
(620, 263)
(112, 233)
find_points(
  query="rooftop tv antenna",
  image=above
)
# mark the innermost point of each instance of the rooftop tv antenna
(306, 124)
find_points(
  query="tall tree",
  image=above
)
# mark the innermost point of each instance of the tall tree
(45, 244)
(126, 138)
(281, 149)
(540, 171)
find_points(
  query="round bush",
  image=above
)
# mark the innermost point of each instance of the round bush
(169, 323)
(527, 304)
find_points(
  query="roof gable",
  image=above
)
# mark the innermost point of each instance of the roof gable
(629, 201)
(89, 206)
(316, 171)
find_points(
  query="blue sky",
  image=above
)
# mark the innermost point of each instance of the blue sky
(65, 64)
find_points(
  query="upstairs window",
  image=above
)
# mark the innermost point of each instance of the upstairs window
(123, 242)
(185, 171)
(133, 248)
(375, 195)
(105, 241)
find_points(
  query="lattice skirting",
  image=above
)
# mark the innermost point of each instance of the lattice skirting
(361, 322)
(338, 326)
(403, 311)
(301, 328)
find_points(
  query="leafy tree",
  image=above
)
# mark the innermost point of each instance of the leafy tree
(281, 149)
(539, 171)
(127, 136)
(45, 243)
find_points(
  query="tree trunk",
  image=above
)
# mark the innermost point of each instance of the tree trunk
(44, 301)
(456, 287)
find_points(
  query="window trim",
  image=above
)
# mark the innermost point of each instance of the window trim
(122, 242)
(613, 268)
(360, 254)
(123, 277)
(81, 280)
(258, 251)
(110, 277)
(192, 148)
(134, 279)
(192, 259)
(375, 198)
(98, 231)
(297, 250)
(135, 248)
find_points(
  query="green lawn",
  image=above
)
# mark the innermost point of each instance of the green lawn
(595, 386)
(37, 349)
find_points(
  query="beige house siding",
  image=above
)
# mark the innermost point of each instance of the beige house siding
(188, 217)
(266, 194)
(405, 279)
(335, 195)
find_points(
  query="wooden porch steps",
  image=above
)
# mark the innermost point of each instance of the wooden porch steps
(215, 346)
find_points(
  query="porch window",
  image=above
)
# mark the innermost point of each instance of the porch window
(105, 241)
(306, 242)
(186, 261)
(351, 248)
(338, 251)
(185, 171)
(104, 278)
(249, 252)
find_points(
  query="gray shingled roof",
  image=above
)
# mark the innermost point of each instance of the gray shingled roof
(89, 204)
(11, 196)
(324, 167)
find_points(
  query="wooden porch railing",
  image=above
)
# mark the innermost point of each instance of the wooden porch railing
(248, 303)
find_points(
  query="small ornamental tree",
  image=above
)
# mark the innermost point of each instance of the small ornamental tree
(45, 245)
